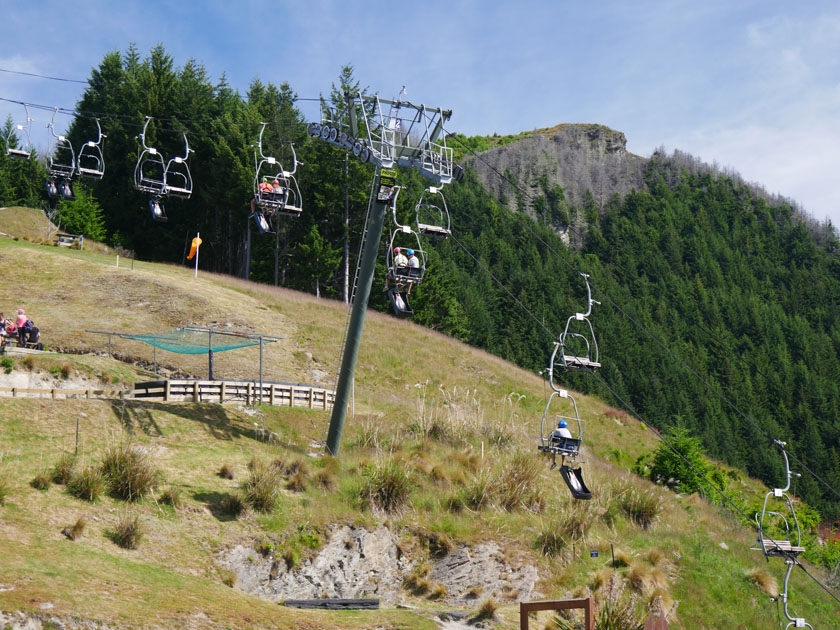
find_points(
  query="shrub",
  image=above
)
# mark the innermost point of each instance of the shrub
(764, 581)
(228, 577)
(682, 473)
(550, 539)
(7, 364)
(385, 487)
(130, 474)
(297, 481)
(128, 532)
(438, 591)
(326, 479)
(261, 490)
(87, 484)
(64, 468)
(417, 581)
(41, 481)
(171, 496)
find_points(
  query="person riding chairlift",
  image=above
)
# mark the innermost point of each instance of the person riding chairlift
(558, 438)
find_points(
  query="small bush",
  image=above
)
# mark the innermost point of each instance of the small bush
(171, 496)
(261, 490)
(228, 577)
(130, 474)
(128, 532)
(64, 468)
(87, 484)
(41, 481)
(265, 547)
(326, 479)
(385, 487)
(7, 364)
(440, 545)
(474, 592)
(28, 363)
(550, 539)
(225, 472)
(417, 581)
(290, 556)
(297, 481)
(75, 531)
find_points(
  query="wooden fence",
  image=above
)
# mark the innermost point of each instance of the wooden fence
(279, 394)
(57, 393)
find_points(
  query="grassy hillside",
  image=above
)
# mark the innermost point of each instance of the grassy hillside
(453, 429)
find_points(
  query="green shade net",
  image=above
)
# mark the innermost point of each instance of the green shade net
(186, 341)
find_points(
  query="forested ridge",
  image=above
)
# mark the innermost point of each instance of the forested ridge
(737, 289)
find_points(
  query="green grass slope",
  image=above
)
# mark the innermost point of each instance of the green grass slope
(457, 425)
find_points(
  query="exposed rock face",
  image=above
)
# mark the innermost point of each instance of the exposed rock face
(34, 621)
(578, 158)
(357, 562)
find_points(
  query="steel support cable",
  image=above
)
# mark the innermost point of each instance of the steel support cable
(525, 194)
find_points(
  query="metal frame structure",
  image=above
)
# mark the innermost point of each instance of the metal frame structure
(432, 219)
(288, 202)
(90, 162)
(149, 158)
(23, 154)
(577, 350)
(178, 169)
(57, 165)
(407, 135)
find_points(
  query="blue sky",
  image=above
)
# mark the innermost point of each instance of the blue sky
(750, 85)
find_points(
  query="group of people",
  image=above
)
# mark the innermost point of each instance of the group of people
(20, 328)
(403, 261)
(266, 187)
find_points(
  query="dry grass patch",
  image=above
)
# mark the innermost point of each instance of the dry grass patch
(171, 496)
(763, 580)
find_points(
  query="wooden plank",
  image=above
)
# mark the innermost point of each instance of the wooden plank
(223, 392)
(334, 604)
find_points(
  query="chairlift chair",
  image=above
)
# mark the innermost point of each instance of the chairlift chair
(150, 170)
(431, 213)
(62, 161)
(177, 179)
(787, 546)
(288, 200)
(26, 151)
(567, 447)
(577, 348)
(91, 161)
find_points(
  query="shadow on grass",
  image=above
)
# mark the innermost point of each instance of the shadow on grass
(216, 502)
(218, 422)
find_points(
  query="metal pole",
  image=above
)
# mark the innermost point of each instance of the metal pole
(154, 357)
(197, 247)
(261, 372)
(357, 321)
(210, 351)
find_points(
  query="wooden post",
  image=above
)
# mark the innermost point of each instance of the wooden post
(271, 394)
(310, 398)
(196, 395)
(223, 392)
(250, 392)
(166, 390)
(54, 393)
(291, 396)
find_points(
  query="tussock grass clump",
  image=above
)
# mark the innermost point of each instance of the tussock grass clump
(385, 487)
(41, 481)
(171, 496)
(225, 472)
(233, 504)
(765, 581)
(325, 478)
(439, 476)
(75, 531)
(228, 577)
(438, 591)
(130, 473)
(417, 581)
(128, 532)
(474, 592)
(646, 579)
(298, 474)
(551, 538)
(63, 470)
(87, 484)
(478, 491)
(516, 485)
(262, 489)
(5, 488)
(469, 460)
(440, 545)
(641, 506)
(487, 609)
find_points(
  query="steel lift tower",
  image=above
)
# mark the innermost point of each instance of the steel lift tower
(387, 134)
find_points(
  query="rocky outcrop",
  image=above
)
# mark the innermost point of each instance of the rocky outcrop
(578, 158)
(357, 562)
(35, 621)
